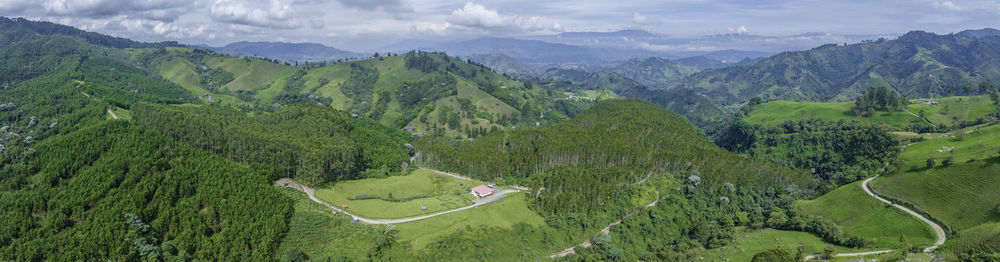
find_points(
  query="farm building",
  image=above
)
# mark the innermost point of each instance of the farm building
(927, 101)
(482, 191)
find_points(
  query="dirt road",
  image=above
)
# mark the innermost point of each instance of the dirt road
(288, 182)
(605, 230)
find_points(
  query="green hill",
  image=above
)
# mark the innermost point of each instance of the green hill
(962, 195)
(860, 215)
(917, 64)
(430, 92)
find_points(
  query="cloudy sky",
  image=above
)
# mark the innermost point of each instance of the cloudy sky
(364, 24)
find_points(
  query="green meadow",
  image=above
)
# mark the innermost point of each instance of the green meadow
(775, 112)
(750, 243)
(400, 196)
(858, 214)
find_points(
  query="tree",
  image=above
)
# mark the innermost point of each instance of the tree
(931, 163)
(902, 238)
(774, 255)
(829, 251)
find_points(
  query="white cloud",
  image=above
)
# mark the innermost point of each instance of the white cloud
(949, 5)
(640, 19)
(278, 15)
(373, 5)
(739, 30)
(478, 16)
(99, 8)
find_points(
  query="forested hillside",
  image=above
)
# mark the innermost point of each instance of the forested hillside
(609, 151)
(698, 108)
(918, 64)
(120, 192)
(654, 72)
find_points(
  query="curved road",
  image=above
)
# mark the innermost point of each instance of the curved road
(288, 182)
(941, 236)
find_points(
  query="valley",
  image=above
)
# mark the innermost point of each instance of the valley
(551, 147)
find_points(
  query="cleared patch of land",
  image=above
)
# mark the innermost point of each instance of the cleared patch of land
(400, 196)
(750, 243)
(504, 213)
(860, 215)
(775, 112)
(952, 110)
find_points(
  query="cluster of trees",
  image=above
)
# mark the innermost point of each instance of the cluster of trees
(837, 153)
(422, 61)
(879, 98)
(120, 192)
(360, 86)
(312, 143)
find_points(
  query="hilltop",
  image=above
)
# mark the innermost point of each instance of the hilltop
(288, 52)
(917, 64)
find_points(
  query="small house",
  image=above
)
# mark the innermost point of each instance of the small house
(927, 101)
(482, 191)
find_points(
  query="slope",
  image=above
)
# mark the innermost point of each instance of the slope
(918, 64)
(653, 72)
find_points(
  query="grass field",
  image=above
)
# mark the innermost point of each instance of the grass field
(951, 110)
(503, 213)
(320, 234)
(748, 244)
(984, 238)
(860, 215)
(963, 195)
(775, 112)
(366, 197)
(980, 144)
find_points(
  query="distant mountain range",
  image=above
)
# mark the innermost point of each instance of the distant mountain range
(288, 52)
(917, 64)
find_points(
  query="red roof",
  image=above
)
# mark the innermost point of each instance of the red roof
(482, 190)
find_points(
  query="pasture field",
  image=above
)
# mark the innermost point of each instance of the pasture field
(775, 112)
(981, 144)
(400, 196)
(963, 195)
(984, 238)
(503, 213)
(858, 214)
(750, 243)
(955, 109)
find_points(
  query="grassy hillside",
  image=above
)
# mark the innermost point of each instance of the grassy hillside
(429, 92)
(978, 243)
(747, 244)
(860, 215)
(775, 112)
(962, 195)
(952, 111)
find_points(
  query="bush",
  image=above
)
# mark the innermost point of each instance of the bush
(774, 255)
(931, 163)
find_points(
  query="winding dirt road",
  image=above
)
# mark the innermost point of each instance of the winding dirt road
(941, 236)
(288, 182)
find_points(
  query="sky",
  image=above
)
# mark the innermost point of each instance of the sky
(361, 25)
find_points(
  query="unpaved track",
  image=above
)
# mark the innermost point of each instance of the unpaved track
(288, 182)
(918, 116)
(113, 115)
(605, 230)
(941, 236)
